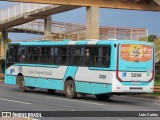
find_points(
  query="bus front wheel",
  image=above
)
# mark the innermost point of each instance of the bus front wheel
(103, 97)
(21, 84)
(70, 89)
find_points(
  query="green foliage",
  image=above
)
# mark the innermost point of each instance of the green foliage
(9, 40)
(152, 38)
(157, 82)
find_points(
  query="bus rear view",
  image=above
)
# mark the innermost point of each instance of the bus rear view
(134, 68)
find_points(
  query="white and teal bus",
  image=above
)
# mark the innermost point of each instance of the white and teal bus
(99, 67)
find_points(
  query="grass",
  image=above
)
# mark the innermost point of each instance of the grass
(156, 94)
(157, 82)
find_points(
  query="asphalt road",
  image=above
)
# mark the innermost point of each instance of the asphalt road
(11, 99)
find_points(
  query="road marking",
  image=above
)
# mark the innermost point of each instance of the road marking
(75, 101)
(14, 101)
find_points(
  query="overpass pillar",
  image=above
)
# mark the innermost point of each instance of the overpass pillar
(92, 23)
(48, 26)
(4, 43)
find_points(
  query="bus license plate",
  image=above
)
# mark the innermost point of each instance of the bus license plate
(135, 82)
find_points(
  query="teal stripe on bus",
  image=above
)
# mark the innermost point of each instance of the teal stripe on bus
(37, 65)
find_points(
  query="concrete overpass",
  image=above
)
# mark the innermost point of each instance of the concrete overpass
(92, 9)
(92, 18)
(148, 5)
(27, 12)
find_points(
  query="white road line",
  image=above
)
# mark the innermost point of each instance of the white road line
(75, 101)
(14, 101)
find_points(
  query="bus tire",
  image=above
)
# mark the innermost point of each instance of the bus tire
(51, 91)
(103, 97)
(21, 84)
(70, 89)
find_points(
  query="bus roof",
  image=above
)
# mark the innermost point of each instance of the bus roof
(81, 42)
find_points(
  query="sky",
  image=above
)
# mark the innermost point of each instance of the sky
(108, 17)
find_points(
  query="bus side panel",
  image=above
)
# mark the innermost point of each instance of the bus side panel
(93, 80)
(41, 76)
(49, 83)
(29, 81)
(44, 83)
(93, 88)
(71, 72)
(10, 79)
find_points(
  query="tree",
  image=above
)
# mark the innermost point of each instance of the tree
(152, 38)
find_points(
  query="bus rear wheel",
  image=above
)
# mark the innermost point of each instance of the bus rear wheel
(21, 84)
(70, 89)
(103, 97)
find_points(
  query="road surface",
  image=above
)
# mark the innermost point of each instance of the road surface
(11, 99)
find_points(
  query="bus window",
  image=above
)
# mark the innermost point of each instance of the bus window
(92, 56)
(61, 55)
(76, 55)
(22, 55)
(45, 55)
(106, 56)
(52, 53)
(34, 54)
(12, 56)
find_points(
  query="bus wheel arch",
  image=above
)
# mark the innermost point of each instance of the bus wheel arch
(70, 88)
(21, 83)
(17, 80)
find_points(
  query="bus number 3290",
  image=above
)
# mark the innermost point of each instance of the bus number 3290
(136, 75)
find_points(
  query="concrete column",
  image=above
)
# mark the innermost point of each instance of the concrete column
(4, 43)
(48, 26)
(92, 23)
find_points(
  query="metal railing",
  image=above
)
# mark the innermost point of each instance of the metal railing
(78, 31)
(21, 9)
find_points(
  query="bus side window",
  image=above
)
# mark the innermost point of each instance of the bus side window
(34, 54)
(12, 54)
(45, 55)
(22, 55)
(60, 55)
(106, 56)
(91, 56)
(52, 54)
(76, 56)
